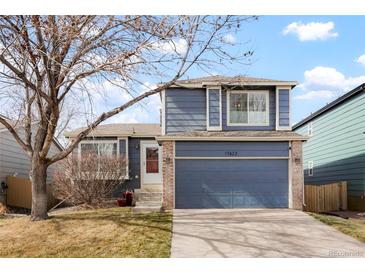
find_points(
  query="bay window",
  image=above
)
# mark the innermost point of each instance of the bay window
(249, 108)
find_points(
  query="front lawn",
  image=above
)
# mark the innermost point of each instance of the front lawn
(112, 232)
(352, 227)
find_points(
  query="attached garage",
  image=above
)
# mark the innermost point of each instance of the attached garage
(231, 174)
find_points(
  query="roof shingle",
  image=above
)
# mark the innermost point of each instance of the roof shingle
(232, 80)
(120, 129)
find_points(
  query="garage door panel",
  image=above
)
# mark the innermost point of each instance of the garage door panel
(231, 183)
(243, 149)
(253, 166)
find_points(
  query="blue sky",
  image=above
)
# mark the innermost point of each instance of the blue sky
(322, 53)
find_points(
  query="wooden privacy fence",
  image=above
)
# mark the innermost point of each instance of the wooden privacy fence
(19, 193)
(325, 198)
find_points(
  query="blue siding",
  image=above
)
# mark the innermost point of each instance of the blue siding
(185, 110)
(272, 113)
(337, 147)
(284, 107)
(214, 115)
(134, 181)
(231, 184)
(224, 149)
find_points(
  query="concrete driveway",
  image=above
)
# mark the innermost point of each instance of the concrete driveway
(257, 233)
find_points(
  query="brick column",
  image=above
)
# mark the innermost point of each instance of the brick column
(297, 176)
(168, 169)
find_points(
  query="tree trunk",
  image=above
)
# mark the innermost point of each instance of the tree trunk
(38, 177)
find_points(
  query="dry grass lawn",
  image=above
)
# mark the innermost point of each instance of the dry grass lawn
(352, 227)
(112, 232)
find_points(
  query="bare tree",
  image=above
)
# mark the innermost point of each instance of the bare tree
(47, 61)
(89, 180)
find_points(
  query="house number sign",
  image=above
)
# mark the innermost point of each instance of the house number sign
(231, 153)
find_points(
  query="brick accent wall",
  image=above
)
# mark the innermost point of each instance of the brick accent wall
(297, 176)
(168, 169)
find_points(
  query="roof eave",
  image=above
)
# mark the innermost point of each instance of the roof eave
(229, 138)
(292, 84)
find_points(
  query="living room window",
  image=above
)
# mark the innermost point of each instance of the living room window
(98, 149)
(250, 108)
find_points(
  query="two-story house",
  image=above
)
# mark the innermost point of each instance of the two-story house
(224, 142)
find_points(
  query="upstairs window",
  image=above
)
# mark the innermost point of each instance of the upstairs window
(248, 108)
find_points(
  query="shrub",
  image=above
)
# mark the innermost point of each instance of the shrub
(89, 180)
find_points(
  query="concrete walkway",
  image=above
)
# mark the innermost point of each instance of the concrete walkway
(257, 233)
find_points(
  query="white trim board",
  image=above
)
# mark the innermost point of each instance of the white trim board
(163, 112)
(290, 194)
(277, 108)
(237, 139)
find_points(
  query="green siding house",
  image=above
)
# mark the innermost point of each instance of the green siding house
(335, 150)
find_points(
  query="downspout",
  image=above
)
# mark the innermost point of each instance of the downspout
(302, 163)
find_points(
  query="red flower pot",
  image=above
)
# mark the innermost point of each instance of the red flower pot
(129, 197)
(121, 202)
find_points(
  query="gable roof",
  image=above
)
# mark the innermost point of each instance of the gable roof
(238, 80)
(119, 129)
(331, 105)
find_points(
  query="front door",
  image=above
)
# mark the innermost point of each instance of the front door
(151, 163)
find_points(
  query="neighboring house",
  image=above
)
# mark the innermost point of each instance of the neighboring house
(14, 161)
(224, 142)
(335, 150)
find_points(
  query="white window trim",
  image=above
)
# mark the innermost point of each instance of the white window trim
(220, 108)
(163, 112)
(310, 168)
(248, 122)
(107, 142)
(277, 107)
(310, 129)
(126, 156)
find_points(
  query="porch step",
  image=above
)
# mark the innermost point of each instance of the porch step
(147, 196)
(148, 200)
(149, 203)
